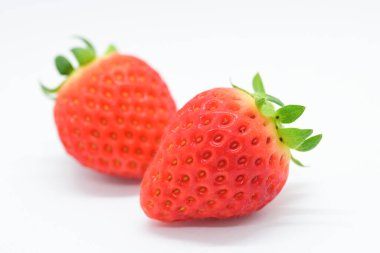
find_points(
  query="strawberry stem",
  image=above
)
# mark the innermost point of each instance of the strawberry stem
(294, 138)
(83, 55)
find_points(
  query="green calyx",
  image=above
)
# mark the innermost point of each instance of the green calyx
(294, 138)
(83, 55)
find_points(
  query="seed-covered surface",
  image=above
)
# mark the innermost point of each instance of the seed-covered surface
(218, 158)
(111, 115)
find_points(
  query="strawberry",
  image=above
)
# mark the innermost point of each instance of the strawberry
(226, 153)
(111, 111)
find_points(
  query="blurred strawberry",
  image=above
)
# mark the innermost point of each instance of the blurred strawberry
(111, 111)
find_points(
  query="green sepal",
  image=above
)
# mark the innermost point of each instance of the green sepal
(274, 100)
(111, 49)
(259, 102)
(84, 55)
(294, 137)
(63, 65)
(289, 113)
(86, 42)
(267, 109)
(241, 89)
(297, 161)
(310, 143)
(257, 84)
(50, 92)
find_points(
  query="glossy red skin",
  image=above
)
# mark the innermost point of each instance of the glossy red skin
(111, 115)
(246, 166)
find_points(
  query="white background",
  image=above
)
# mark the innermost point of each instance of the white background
(323, 54)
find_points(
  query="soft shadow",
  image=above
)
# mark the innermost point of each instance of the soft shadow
(63, 173)
(216, 232)
(281, 214)
(90, 182)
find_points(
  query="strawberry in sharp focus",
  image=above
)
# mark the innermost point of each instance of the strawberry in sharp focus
(111, 111)
(225, 154)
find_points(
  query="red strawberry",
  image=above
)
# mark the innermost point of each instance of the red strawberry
(225, 154)
(111, 111)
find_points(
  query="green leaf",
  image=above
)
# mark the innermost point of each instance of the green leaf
(257, 84)
(274, 100)
(267, 109)
(297, 161)
(63, 65)
(86, 42)
(289, 113)
(310, 143)
(259, 102)
(293, 137)
(50, 92)
(83, 55)
(111, 49)
(241, 89)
